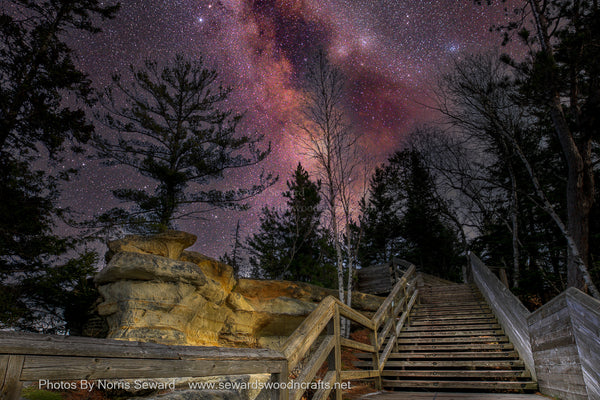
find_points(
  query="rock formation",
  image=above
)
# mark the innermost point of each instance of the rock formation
(154, 290)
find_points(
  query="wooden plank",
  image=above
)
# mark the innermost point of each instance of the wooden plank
(585, 317)
(312, 366)
(483, 332)
(354, 315)
(457, 364)
(352, 344)
(488, 374)
(375, 359)
(481, 385)
(511, 313)
(3, 367)
(36, 344)
(357, 375)
(455, 339)
(323, 392)
(338, 352)
(433, 395)
(439, 328)
(383, 309)
(13, 381)
(386, 353)
(458, 346)
(65, 368)
(296, 346)
(448, 355)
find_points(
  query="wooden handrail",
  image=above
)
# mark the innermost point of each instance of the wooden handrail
(30, 357)
(383, 326)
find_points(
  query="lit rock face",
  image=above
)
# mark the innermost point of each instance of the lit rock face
(155, 291)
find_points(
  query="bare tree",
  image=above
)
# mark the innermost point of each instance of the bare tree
(478, 97)
(328, 140)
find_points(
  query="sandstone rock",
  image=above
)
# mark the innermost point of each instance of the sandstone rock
(196, 300)
(237, 302)
(265, 290)
(169, 244)
(214, 269)
(147, 267)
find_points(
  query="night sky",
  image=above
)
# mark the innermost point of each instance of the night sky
(390, 51)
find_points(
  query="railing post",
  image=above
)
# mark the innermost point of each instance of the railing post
(337, 352)
(374, 341)
(11, 368)
(282, 378)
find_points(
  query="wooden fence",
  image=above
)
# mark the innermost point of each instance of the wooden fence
(559, 342)
(31, 357)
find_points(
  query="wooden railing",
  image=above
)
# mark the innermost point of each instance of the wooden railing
(385, 326)
(32, 357)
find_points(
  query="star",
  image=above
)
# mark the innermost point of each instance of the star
(389, 51)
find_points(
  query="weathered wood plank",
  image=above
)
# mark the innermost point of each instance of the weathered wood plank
(323, 392)
(337, 352)
(36, 344)
(53, 368)
(585, 317)
(296, 346)
(353, 344)
(12, 382)
(482, 385)
(457, 363)
(312, 366)
(451, 396)
(354, 315)
(509, 310)
(3, 367)
(383, 309)
(357, 375)
(488, 374)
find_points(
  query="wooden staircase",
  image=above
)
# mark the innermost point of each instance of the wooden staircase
(453, 342)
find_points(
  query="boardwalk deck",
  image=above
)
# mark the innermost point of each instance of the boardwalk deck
(450, 396)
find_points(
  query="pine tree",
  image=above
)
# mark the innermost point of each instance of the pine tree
(381, 223)
(404, 218)
(291, 244)
(176, 130)
(37, 73)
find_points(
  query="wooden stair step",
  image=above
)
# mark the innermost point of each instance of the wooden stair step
(436, 309)
(452, 322)
(448, 327)
(483, 385)
(455, 364)
(482, 332)
(450, 306)
(455, 339)
(484, 374)
(455, 347)
(417, 318)
(450, 355)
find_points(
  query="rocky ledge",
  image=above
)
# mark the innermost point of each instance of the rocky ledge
(153, 290)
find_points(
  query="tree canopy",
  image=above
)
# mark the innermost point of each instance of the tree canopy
(171, 124)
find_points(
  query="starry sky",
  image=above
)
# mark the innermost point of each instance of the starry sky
(391, 52)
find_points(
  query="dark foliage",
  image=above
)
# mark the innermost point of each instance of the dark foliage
(292, 244)
(175, 130)
(42, 95)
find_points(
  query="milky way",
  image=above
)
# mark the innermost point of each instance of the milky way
(389, 50)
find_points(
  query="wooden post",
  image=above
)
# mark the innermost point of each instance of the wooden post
(283, 393)
(503, 277)
(374, 341)
(338, 353)
(11, 366)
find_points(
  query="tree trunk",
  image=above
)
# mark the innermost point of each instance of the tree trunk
(514, 212)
